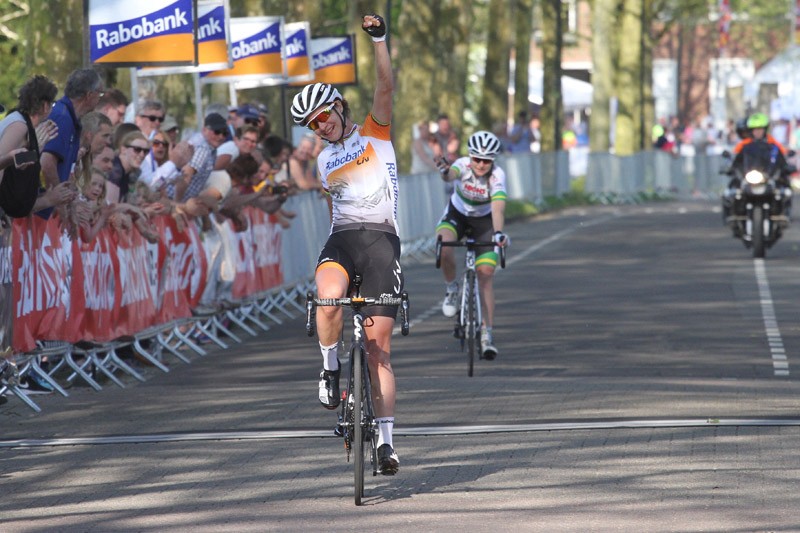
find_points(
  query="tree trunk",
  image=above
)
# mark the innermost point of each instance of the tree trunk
(494, 99)
(629, 80)
(524, 22)
(602, 73)
(552, 106)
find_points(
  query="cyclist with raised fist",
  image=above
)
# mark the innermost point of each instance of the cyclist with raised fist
(358, 171)
(478, 203)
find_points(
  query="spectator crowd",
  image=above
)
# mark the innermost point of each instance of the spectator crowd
(94, 159)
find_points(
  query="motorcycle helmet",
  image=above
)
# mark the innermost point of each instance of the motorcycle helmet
(757, 120)
(310, 98)
(741, 128)
(483, 145)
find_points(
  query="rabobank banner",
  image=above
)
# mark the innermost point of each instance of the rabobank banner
(297, 53)
(256, 46)
(143, 33)
(334, 60)
(213, 40)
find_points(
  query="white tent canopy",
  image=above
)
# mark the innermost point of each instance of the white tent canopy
(782, 70)
(576, 94)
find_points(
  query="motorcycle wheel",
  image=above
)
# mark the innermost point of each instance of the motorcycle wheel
(758, 231)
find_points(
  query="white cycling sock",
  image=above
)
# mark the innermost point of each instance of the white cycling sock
(452, 286)
(385, 426)
(329, 359)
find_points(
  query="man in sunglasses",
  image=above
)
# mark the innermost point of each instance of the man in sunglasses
(477, 204)
(150, 117)
(358, 171)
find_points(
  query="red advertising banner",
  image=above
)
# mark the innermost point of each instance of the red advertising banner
(183, 269)
(120, 284)
(48, 289)
(136, 309)
(100, 268)
(257, 255)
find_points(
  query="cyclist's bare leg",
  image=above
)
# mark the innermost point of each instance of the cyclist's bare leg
(379, 337)
(448, 255)
(331, 283)
(486, 288)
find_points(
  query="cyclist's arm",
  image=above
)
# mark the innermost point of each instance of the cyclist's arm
(498, 214)
(384, 86)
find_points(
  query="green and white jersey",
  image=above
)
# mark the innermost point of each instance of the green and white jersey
(472, 196)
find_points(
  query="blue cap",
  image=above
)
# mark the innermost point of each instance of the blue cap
(248, 111)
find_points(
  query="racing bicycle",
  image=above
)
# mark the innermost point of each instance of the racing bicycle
(357, 423)
(468, 318)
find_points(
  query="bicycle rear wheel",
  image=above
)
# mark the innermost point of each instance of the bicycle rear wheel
(469, 330)
(358, 436)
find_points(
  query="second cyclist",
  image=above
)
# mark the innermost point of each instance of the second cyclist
(478, 203)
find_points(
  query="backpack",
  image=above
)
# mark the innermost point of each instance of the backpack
(20, 187)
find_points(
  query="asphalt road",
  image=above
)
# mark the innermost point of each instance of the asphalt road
(647, 381)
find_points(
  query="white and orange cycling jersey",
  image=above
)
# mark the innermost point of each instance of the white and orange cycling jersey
(472, 196)
(360, 174)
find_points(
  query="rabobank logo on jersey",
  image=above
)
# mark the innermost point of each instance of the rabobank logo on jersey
(153, 32)
(340, 160)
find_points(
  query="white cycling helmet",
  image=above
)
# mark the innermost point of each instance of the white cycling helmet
(484, 145)
(311, 97)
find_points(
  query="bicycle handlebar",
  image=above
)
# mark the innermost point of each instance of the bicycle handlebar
(469, 245)
(356, 303)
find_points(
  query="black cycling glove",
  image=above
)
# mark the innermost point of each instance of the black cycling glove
(376, 31)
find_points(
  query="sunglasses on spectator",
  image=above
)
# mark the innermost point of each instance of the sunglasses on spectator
(320, 118)
(137, 149)
(251, 121)
(153, 118)
(484, 161)
(159, 143)
(221, 132)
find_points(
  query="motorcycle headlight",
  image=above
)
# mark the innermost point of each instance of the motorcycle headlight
(754, 177)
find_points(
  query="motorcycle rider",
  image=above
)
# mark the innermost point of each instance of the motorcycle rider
(759, 146)
(762, 146)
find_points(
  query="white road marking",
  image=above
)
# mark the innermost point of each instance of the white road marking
(780, 364)
(405, 432)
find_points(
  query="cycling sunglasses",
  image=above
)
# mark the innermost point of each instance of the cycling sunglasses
(323, 116)
(481, 160)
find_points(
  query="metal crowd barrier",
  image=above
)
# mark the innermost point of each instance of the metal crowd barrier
(531, 177)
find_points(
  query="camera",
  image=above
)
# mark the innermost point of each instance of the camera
(25, 157)
(278, 189)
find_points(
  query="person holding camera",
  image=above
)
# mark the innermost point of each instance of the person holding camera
(22, 132)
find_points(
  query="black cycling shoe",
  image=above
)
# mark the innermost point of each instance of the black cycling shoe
(329, 388)
(388, 463)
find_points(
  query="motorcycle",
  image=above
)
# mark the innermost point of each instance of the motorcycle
(757, 203)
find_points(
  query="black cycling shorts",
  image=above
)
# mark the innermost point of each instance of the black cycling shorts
(480, 228)
(373, 254)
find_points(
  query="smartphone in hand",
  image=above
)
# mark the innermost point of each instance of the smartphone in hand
(22, 158)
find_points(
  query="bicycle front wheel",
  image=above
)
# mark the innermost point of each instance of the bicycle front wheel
(470, 330)
(358, 422)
